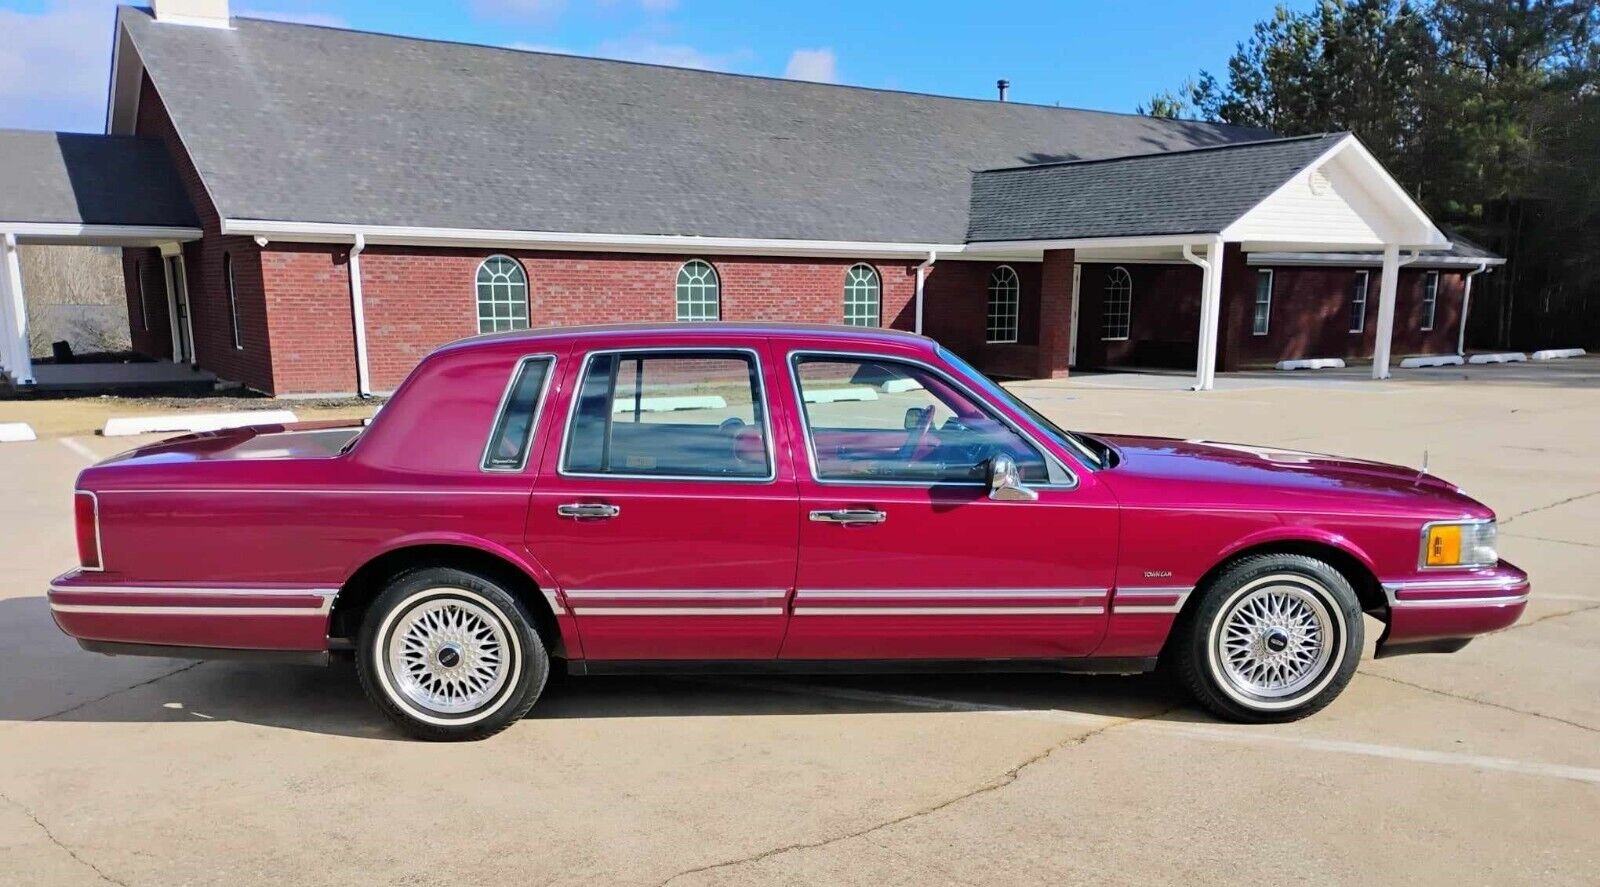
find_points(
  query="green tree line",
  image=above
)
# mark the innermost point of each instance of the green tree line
(1487, 111)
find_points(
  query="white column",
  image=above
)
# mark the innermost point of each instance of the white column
(358, 316)
(1386, 297)
(18, 362)
(922, 280)
(1205, 370)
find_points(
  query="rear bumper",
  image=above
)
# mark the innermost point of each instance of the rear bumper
(92, 608)
(1440, 614)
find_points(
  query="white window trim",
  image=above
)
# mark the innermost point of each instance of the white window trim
(144, 295)
(1255, 302)
(1016, 306)
(477, 297)
(877, 289)
(716, 278)
(233, 301)
(1430, 301)
(1366, 286)
(1129, 276)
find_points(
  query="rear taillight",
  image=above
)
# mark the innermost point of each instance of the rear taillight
(86, 518)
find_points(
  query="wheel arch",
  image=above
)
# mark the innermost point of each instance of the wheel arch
(524, 579)
(1337, 552)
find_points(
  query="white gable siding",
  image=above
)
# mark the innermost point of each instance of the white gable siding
(1340, 209)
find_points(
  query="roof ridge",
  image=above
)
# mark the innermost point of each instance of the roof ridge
(736, 74)
(1177, 152)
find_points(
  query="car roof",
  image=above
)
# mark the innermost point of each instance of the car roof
(636, 331)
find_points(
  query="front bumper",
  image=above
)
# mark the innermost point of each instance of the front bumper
(1432, 613)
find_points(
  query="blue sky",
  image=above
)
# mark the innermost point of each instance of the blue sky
(54, 58)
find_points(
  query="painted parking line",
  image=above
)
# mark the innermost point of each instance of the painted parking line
(1225, 735)
(78, 447)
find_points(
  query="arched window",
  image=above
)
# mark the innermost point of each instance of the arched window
(699, 292)
(862, 296)
(1118, 315)
(233, 300)
(502, 295)
(1004, 293)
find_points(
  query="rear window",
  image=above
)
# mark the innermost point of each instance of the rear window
(678, 414)
(513, 427)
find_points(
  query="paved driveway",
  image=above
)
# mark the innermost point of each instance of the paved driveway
(1482, 767)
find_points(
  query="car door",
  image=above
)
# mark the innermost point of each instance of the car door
(902, 552)
(664, 512)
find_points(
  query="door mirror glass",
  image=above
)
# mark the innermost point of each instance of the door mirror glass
(1005, 481)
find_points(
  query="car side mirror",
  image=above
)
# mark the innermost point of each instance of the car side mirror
(1005, 481)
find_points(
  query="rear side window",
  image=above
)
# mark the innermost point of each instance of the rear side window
(670, 414)
(519, 412)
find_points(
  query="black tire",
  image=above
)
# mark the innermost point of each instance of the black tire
(464, 636)
(1321, 639)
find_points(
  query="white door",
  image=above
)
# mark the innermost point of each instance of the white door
(178, 310)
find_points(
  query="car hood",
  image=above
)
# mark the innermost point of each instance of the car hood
(1241, 465)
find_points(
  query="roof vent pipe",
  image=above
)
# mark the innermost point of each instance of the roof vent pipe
(1004, 86)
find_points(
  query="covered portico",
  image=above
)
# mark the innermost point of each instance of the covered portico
(83, 190)
(1206, 207)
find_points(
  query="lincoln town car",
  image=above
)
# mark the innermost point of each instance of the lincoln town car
(763, 497)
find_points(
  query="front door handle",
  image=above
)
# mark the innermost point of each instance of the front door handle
(849, 516)
(588, 510)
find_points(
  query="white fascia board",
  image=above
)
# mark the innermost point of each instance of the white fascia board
(1362, 260)
(71, 232)
(315, 232)
(1432, 238)
(1133, 242)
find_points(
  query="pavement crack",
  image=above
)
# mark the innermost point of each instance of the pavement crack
(88, 702)
(1549, 616)
(1480, 701)
(1556, 504)
(1557, 541)
(51, 836)
(994, 784)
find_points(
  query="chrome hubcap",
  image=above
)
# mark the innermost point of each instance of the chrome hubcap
(1275, 640)
(449, 655)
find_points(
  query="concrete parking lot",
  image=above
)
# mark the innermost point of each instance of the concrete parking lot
(1482, 767)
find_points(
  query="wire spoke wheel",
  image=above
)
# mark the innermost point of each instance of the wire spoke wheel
(1276, 639)
(449, 655)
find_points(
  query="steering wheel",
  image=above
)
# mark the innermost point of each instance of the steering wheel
(908, 450)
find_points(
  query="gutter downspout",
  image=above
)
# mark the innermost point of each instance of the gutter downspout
(358, 316)
(1466, 304)
(1210, 311)
(922, 276)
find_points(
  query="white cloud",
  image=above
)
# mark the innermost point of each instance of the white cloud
(54, 65)
(817, 65)
(520, 8)
(678, 55)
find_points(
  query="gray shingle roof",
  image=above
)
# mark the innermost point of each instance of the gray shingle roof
(1186, 192)
(301, 123)
(80, 179)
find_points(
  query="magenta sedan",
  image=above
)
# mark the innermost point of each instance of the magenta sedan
(767, 497)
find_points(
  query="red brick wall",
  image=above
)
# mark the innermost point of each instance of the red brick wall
(211, 315)
(1164, 317)
(956, 308)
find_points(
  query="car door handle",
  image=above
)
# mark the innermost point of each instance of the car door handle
(849, 516)
(588, 510)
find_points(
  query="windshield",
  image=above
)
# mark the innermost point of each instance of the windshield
(1090, 453)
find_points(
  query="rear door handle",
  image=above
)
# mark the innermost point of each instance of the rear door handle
(849, 516)
(588, 510)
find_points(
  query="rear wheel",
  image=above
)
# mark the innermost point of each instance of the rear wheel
(1276, 637)
(450, 655)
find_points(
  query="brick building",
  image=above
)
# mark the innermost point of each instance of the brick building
(309, 210)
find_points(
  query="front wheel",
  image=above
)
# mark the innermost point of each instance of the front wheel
(1276, 637)
(450, 655)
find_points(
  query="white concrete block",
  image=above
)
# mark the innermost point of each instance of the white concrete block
(900, 386)
(1312, 363)
(833, 395)
(191, 422)
(1558, 353)
(16, 432)
(1500, 357)
(1438, 360)
(671, 404)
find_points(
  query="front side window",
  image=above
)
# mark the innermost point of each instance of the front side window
(699, 292)
(861, 296)
(233, 300)
(883, 421)
(1119, 305)
(1263, 315)
(513, 428)
(1004, 298)
(1430, 300)
(1358, 302)
(502, 295)
(670, 414)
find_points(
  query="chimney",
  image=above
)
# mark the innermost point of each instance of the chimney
(204, 13)
(1003, 85)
